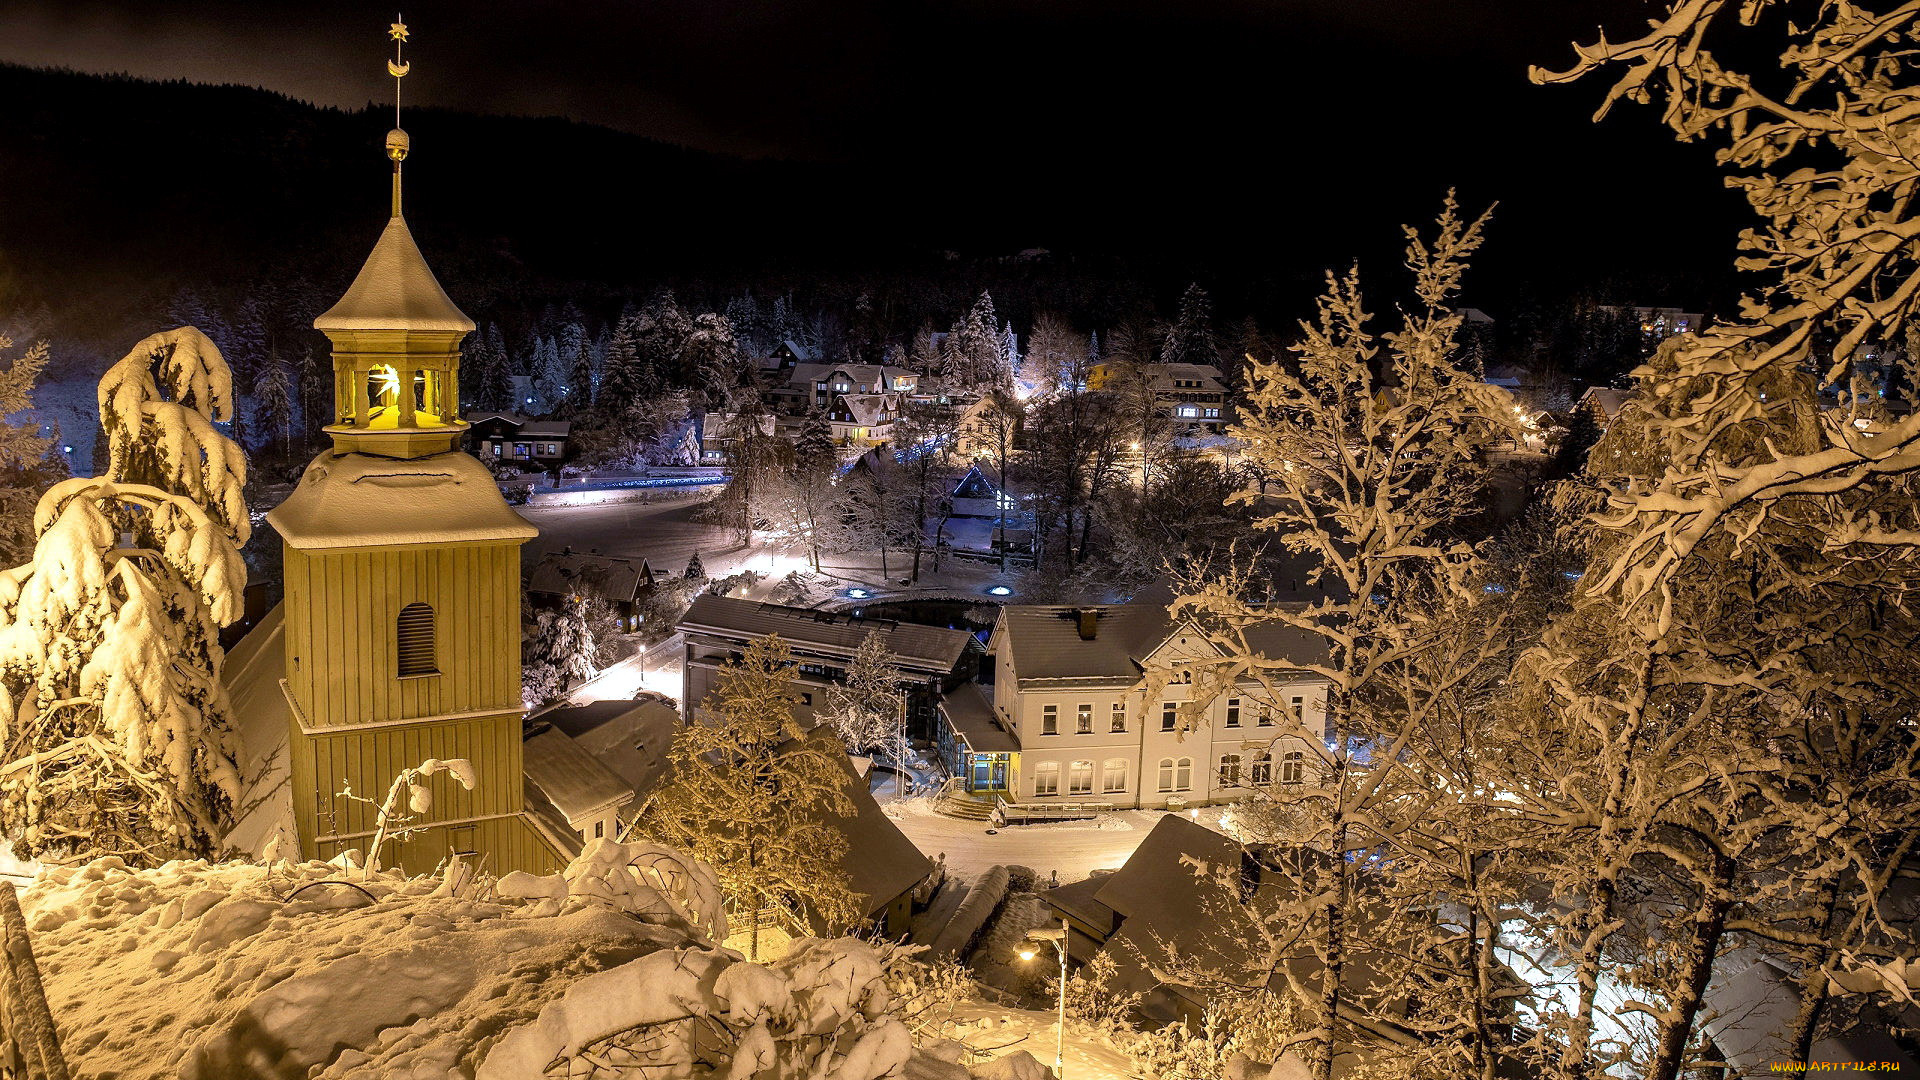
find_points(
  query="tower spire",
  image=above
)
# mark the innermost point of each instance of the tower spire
(397, 141)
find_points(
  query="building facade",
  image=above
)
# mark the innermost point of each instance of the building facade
(1101, 705)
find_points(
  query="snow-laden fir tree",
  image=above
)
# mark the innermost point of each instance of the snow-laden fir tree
(118, 734)
(926, 434)
(275, 397)
(1368, 449)
(751, 795)
(1190, 339)
(561, 652)
(867, 709)
(23, 452)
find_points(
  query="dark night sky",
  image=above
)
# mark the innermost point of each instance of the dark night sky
(1166, 124)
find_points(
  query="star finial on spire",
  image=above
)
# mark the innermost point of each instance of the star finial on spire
(397, 141)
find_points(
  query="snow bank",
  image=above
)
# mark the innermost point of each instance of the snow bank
(234, 970)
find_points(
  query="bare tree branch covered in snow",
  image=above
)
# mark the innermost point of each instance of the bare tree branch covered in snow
(118, 738)
(1368, 447)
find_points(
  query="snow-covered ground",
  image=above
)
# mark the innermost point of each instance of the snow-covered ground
(1074, 848)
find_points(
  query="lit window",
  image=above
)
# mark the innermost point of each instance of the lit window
(1166, 774)
(1183, 774)
(1080, 778)
(1119, 716)
(1050, 720)
(1046, 778)
(414, 635)
(1113, 775)
(1083, 718)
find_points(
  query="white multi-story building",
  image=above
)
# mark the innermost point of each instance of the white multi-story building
(1109, 705)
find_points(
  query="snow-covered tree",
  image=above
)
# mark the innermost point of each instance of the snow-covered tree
(23, 452)
(711, 360)
(118, 737)
(1368, 444)
(866, 709)
(809, 501)
(1190, 339)
(561, 652)
(750, 795)
(1749, 521)
(924, 438)
(275, 395)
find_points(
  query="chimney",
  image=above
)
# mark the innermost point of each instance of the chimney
(1089, 623)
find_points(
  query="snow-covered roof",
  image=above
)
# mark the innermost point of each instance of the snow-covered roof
(1167, 377)
(868, 409)
(630, 738)
(563, 572)
(1047, 647)
(880, 862)
(1606, 400)
(359, 500)
(252, 673)
(578, 786)
(395, 290)
(551, 429)
(929, 648)
(969, 714)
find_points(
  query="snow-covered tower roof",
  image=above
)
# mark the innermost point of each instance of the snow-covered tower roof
(395, 290)
(396, 338)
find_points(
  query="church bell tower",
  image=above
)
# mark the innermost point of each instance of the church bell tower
(402, 566)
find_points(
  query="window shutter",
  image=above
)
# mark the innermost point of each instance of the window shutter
(415, 637)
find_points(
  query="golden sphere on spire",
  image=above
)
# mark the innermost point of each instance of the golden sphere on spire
(397, 144)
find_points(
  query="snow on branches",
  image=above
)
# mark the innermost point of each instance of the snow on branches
(117, 734)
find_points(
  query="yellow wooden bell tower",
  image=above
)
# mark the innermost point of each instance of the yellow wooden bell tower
(402, 608)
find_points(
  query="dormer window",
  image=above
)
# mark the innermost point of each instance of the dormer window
(414, 637)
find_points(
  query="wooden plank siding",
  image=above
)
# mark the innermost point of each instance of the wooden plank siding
(342, 639)
(504, 843)
(357, 723)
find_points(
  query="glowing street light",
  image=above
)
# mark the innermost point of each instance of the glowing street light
(1057, 937)
(1000, 590)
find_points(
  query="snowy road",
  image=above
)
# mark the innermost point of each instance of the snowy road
(1074, 848)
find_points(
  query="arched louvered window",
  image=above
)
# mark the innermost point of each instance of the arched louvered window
(415, 638)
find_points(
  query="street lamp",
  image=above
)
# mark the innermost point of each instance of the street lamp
(1057, 936)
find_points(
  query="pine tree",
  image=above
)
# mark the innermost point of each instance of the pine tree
(711, 359)
(867, 709)
(750, 795)
(660, 338)
(695, 568)
(275, 393)
(576, 351)
(550, 371)
(24, 471)
(1190, 340)
(118, 738)
(629, 376)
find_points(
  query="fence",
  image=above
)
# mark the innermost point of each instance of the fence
(29, 1043)
(1012, 813)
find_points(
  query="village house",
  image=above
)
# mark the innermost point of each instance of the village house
(568, 577)
(929, 660)
(1100, 706)
(1192, 395)
(507, 436)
